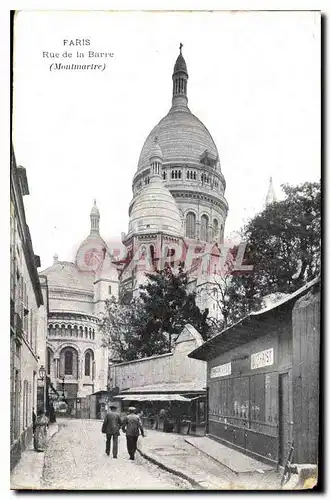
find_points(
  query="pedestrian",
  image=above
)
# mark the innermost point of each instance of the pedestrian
(131, 426)
(161, 418)
(40, 435)
(111, 427)
(52, 416)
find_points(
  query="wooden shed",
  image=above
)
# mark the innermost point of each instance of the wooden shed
(263, 380)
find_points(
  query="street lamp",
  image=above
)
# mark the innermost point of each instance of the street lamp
(42, 375)
(42, 372)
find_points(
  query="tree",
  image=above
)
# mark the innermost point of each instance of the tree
(129, 333)
(166, 299)
(149, 325)
(283, 245)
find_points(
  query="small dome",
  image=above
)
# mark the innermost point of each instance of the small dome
(180, 64)
(155, 209)
(91, 252)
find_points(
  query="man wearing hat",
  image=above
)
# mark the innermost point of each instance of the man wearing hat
(131, 426)
(111, 427)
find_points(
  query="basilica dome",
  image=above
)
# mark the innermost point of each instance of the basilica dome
(182, 138)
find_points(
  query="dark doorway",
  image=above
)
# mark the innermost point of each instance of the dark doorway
(284, 418)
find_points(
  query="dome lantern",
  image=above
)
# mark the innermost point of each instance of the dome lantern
(155, 161)
(271, 195)
(95, 218)
(179, 78)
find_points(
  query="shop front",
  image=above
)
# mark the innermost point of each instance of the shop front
(255, 374)
(168, 390)
(168, 412)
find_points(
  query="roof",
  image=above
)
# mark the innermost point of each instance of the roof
(248, 328)
(66, 274)
(166, 388)
(153, 397)
(180, 65)
(181, 136)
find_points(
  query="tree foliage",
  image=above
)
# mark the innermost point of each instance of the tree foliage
(283, 246)
(128, 332)
(167, 298)
(150, 324)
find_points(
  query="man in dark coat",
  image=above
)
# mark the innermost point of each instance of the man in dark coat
(131, 426)
(111, 427)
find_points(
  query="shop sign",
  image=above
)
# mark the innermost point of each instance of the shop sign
(261, 359)
(221, 370)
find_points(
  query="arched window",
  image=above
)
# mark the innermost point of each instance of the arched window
(109, 289)
(188, 174)
(215, 228)
(164, 174)
(204, 228)
(87, 364)
(179, 174)
(190, 225)
(68, 363)
(152, 252)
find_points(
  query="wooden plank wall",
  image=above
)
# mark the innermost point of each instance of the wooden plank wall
(306, 356)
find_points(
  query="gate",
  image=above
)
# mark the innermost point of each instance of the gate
(75, 408)
(83, 408)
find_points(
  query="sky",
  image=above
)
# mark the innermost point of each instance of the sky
(254, 81)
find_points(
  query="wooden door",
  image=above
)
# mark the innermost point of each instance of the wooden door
(284, 418)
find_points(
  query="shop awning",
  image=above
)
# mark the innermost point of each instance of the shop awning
(152, 397)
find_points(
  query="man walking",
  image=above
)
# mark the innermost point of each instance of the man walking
(131, 426)
(111, 427)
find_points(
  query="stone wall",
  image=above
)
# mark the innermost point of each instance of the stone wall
(172, 368)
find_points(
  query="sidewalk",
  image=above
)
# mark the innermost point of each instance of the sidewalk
(235, 460)
(27, 474)
(174, 453)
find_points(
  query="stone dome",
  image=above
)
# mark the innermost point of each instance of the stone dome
(155, 209)
(182, 138)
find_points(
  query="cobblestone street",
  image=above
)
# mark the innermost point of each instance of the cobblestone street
(76, 459)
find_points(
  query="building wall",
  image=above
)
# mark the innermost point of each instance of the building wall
(173, 368)
(306, 390)
(68, 300)
(28, 321)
